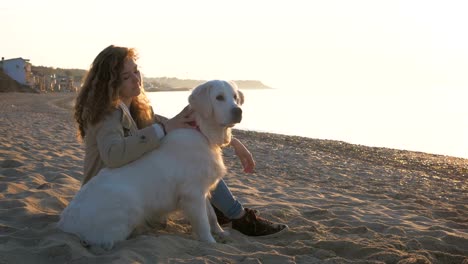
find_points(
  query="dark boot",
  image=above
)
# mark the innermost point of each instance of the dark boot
(253, 225)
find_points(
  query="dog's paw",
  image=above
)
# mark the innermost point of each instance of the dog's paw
(208, 239)
(223, 233)
(223, 237)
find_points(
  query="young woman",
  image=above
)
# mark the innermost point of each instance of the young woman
(116, 122)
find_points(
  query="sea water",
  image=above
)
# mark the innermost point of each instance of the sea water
(431, 122)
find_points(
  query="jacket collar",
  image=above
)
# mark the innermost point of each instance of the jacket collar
(127, 120)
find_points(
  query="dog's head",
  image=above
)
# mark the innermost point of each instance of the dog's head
(217, 107)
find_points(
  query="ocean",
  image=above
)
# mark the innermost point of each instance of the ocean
(429, 122)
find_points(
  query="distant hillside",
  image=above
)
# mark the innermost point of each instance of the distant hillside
(77, 74)
(151, 83)
(175, 84)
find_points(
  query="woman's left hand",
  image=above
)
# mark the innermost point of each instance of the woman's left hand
(181, 120)
(244, 155)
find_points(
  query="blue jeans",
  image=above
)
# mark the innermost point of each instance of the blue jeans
(222, 198)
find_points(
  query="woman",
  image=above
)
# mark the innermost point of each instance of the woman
(118, 126)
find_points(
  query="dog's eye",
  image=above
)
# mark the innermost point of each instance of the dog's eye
(220, 98)
(235, 97)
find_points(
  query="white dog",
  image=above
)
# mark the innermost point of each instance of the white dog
(177, 175)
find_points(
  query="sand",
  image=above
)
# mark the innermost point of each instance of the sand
(343, 203)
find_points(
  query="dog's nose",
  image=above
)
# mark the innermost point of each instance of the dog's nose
(236, 114)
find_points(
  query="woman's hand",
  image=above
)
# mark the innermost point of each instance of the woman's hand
(181, 120)
(244, 155)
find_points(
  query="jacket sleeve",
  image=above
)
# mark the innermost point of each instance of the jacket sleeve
(158, 118)
(117, 150)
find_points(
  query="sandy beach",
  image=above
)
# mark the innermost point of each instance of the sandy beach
(343, 203)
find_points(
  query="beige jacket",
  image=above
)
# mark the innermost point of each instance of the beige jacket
(111, 143)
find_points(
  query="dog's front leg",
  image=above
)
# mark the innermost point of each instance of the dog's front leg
(194, 208)
(215, 227)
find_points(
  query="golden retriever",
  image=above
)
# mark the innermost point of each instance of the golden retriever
(176, 176)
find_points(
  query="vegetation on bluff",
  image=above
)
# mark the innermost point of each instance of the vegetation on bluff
(152, 84)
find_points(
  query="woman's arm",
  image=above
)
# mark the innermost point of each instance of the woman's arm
(116, 149)
(181, 120)
(160, 118)
(244, 155)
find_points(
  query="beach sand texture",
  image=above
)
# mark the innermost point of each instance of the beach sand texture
(343, 203)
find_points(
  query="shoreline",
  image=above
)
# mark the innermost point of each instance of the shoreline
(343, 202)
(369, 121)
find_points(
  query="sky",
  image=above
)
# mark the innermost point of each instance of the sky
(359, 47)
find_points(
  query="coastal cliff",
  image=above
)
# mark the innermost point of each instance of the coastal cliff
(175, 84)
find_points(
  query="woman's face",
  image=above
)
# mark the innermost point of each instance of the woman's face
(131, 80)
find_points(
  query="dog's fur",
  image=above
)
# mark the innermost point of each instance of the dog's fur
(177, 175)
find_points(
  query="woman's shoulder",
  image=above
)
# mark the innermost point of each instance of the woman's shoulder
(112, 120)
(116, 114)
(112, 117)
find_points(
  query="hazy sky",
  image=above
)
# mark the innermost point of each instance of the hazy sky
(342, 45)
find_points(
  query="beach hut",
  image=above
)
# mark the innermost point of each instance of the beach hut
(18, 69)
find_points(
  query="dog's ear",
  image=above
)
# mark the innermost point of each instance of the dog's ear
(240, 97)
(200, 100)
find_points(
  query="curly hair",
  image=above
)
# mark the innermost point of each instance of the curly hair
(99, 95)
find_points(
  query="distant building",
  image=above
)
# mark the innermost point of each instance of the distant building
(18, 69)
(65, 84)
(45, 83)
